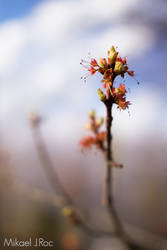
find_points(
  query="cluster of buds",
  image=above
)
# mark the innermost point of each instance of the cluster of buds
(98, 137)
(119, 96)
(110, 68)
(68, 212)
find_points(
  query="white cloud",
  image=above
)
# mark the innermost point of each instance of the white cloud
(142, 116)
(40, 53)
(12, 38)
(52, 22)
(132, 40)
(48, 78)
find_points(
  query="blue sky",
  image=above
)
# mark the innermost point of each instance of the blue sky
(16, 9)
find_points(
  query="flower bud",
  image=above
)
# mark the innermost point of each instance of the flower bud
(94, 62)
(88, 126)
(67, 211)
(101, 95)
(100, 121)
(112, 55)
(92, 114)
(131, 73)
(103, 63)
(121, 90)
(119, 68)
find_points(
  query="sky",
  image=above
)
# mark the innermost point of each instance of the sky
(41, 45)
(16, 9)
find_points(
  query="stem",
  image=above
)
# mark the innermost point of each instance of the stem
(119, 231)
(47, 165)
(56, 183)
(109, 181)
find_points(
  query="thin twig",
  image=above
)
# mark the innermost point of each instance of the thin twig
(109, 186)
(47, 165)
(37, 194)
(108, 181)
(56, 183)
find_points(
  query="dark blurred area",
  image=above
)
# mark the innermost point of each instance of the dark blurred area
(140, 195)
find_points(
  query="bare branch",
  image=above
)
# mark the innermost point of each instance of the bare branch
(109, 186)
(56, 184)
(75, 215)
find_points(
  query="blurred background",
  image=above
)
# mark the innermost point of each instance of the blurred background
(41, 45)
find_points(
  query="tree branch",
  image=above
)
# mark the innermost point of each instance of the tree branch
(108, 180)
(56, 183)
(118, 228)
